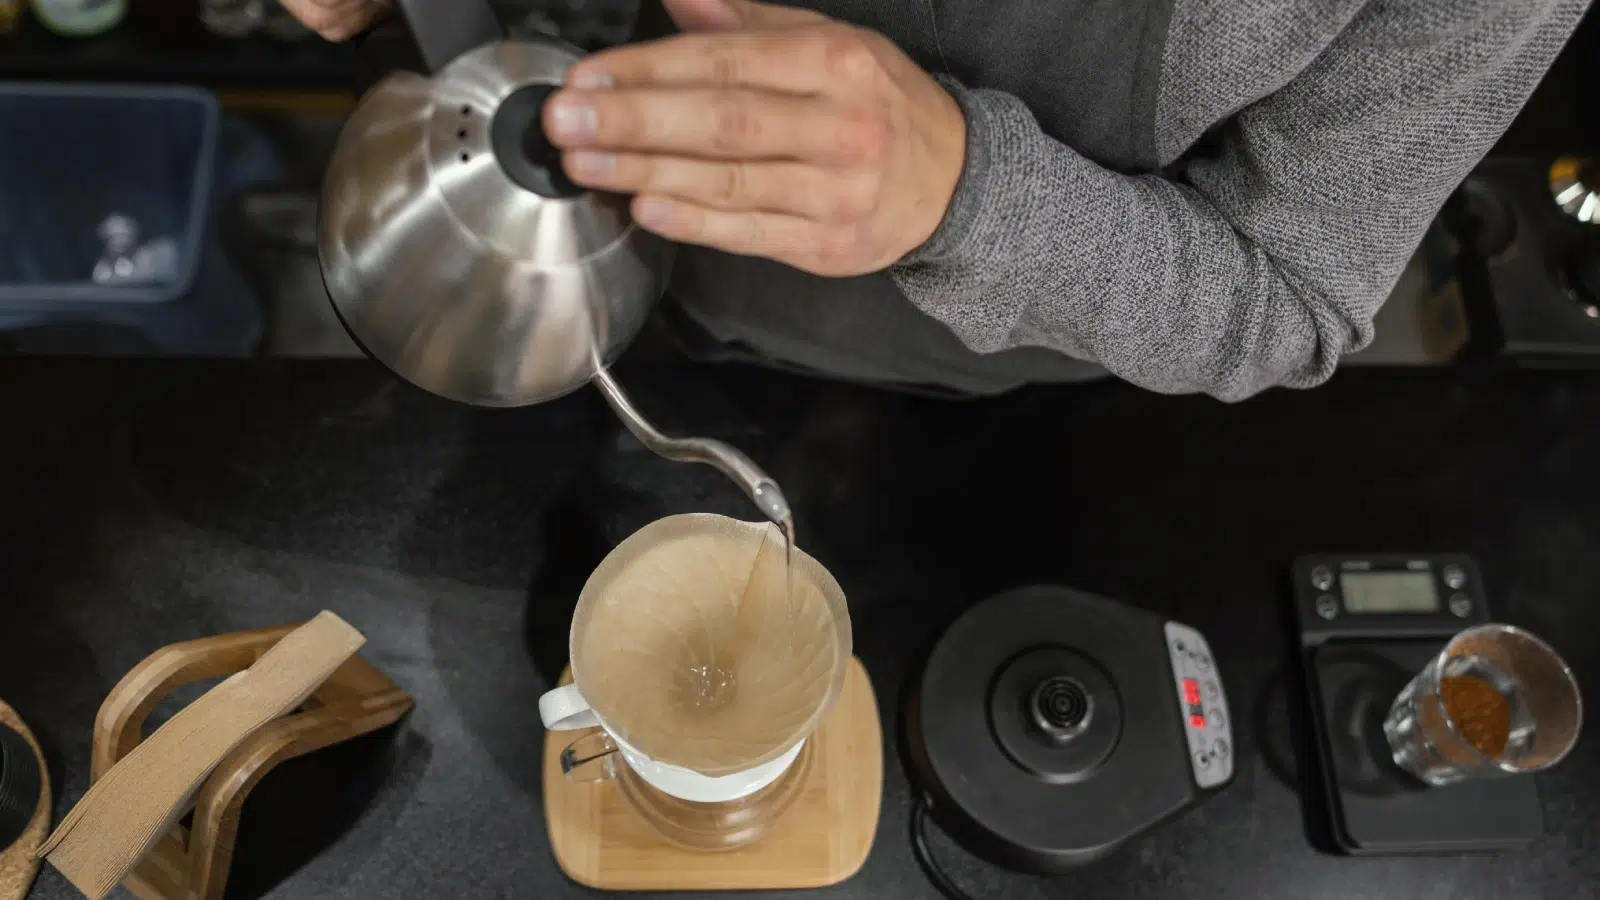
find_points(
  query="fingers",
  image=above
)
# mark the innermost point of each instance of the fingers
(709, 124)
(702, 15)
(793, 188)
(773, 60)
(799, 242)
(707, 15)
(337, 20)
(763, 131)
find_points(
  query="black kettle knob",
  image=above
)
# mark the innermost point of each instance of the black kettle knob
(524, 150)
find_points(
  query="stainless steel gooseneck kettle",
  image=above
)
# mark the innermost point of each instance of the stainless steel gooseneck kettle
(457, 252)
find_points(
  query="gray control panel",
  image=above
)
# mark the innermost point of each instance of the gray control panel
(1202, 705)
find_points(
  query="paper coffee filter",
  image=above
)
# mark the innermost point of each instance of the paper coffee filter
(684, 644)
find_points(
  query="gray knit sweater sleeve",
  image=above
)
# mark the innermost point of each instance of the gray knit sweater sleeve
(1255, 266)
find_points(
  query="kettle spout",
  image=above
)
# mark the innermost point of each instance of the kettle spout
(741, 469)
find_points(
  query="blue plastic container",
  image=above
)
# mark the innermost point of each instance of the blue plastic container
(105, 195)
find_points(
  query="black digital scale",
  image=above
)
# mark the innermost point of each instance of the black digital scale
(1368, 624)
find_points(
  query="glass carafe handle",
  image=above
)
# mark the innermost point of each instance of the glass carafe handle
(592, 757)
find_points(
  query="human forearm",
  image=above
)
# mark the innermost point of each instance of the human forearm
(1140, 274)
(1258, 263)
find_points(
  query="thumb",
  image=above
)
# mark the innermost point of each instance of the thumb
(727, 15)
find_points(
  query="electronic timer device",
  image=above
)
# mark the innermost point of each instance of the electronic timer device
(1366, 625)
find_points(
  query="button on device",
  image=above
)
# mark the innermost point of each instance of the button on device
(1461, 605)
(1216, 718)
(1220, 748)
(1455, 577)
(1322, 578)
(1202, 760)
(1201, 660)
(1212, 690)
(1327, 606)
(1179, 646)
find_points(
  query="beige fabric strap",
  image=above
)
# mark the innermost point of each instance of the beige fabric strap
(124, 813)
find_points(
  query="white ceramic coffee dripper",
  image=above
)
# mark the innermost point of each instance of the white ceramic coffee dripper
(684, 596)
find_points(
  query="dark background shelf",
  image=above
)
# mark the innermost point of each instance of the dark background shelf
(153, 45)
(1563, 115)
(163, 40)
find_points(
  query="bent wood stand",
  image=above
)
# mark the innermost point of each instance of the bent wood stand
(192, 863)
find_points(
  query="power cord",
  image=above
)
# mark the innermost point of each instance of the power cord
(919, 848)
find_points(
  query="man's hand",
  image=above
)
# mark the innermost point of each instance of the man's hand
(337, 20)
(767, 131)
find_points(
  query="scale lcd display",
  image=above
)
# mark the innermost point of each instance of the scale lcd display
(1389, 592)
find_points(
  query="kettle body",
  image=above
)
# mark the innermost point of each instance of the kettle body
(455, 250)
(458, 254)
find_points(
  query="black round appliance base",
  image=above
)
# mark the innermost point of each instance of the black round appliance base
(1044, 730)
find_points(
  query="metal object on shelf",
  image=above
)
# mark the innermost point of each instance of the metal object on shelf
(1575, 185)
(80, 18)
(1525, 269)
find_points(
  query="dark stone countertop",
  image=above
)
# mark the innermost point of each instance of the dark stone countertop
(144, 502)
